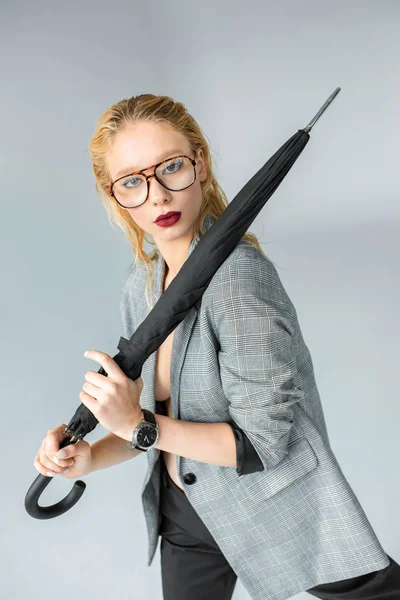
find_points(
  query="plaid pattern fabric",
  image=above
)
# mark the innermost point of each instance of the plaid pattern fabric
(239, 355)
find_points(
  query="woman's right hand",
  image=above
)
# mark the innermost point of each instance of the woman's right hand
(78, 459)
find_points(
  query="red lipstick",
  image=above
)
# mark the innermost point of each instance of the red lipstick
(167, 219)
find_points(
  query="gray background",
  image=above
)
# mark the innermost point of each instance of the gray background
(251, 74)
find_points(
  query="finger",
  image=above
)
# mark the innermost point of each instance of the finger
(52, 441)
(51, 473)
(52, 462)
(89, 402)
(43, 470)
(64, 463)
(79, 449)
(108, 363)
(97, 379)
(58, 431)
(94, 390)
(44, 465)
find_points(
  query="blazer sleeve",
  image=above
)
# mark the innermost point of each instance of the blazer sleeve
(255, 321)
(247, 459)
(161, 408)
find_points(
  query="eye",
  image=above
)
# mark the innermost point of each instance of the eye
(176, 163)
(126, 181)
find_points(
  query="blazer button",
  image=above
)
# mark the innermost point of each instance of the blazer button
(189, 478)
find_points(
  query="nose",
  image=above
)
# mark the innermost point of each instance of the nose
(157, 191)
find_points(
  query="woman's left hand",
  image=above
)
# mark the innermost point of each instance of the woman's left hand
(114, 400)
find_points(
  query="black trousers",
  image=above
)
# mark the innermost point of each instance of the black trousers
(194, 568)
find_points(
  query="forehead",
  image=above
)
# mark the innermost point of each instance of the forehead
(140, 145)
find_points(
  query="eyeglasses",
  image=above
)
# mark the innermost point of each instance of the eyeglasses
(176, 173)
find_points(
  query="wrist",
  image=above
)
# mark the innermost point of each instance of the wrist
(127, 432)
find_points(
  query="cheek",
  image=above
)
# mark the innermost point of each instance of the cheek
(198, 197)
(193, 197)
(139, 217)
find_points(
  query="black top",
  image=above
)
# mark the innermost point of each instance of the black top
(247, 458)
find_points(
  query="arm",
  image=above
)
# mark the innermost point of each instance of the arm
(255, 322)
(204, 443)
(247, 459)
(109, 451)
(212, 443)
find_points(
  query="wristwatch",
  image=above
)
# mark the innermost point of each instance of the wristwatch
(146, 433)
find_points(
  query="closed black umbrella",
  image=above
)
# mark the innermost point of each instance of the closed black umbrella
(184, 291)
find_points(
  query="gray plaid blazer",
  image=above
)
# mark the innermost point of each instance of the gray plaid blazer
(239, 355)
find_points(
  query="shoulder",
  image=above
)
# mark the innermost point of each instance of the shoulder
(246, 281)
(247, 269)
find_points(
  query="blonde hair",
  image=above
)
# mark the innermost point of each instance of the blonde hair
(164, 110)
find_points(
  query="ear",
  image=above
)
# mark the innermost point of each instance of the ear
(201, 166)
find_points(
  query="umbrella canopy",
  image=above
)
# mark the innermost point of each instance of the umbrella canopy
(181, 295)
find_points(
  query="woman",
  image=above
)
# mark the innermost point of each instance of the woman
(241, 481)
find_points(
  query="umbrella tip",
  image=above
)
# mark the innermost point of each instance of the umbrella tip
(323, 108)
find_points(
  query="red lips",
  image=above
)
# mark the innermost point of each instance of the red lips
(165, 215)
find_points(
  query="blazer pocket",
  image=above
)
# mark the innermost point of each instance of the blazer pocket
(300, 461)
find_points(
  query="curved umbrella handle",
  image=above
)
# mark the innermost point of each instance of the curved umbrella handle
(48, 512)
(41, 482)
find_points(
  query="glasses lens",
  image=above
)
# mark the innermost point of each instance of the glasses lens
(175, 174)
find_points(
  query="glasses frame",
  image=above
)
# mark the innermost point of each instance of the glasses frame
(154, 174)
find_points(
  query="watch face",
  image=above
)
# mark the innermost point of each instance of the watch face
(146, 436)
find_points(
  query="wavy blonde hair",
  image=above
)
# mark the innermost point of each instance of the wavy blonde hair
(157, 109)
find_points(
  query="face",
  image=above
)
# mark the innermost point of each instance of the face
(137, 147)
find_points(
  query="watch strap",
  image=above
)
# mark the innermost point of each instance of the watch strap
(149, 416)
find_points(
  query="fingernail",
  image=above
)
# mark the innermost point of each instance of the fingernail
(61, 454)
(50, 473)
(67, 470)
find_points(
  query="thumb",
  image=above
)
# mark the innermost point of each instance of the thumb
(81, 448)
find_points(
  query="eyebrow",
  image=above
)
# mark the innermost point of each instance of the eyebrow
(165, 155)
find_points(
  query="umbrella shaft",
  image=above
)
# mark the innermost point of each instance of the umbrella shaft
(321, 110)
